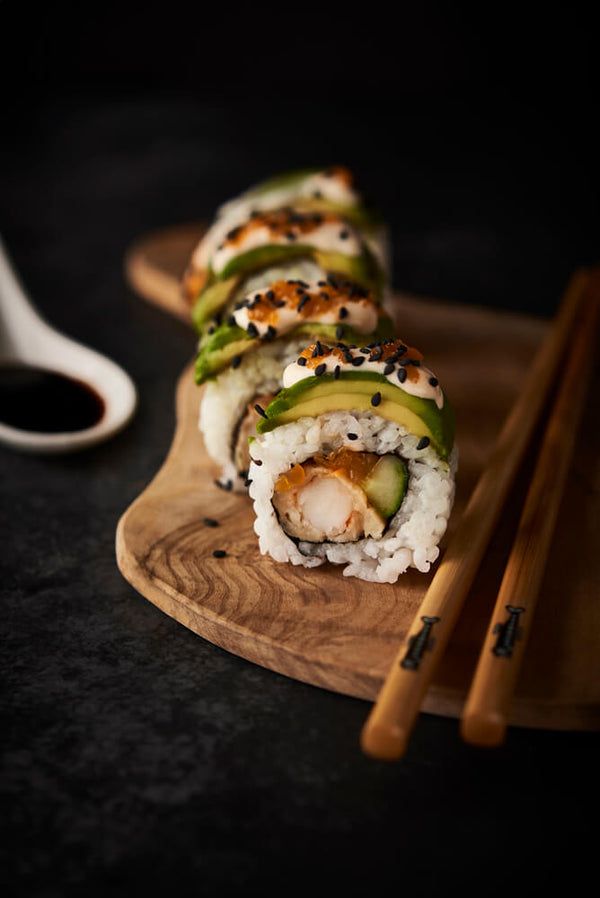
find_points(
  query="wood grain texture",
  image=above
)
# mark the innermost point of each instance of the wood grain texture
(340, 633)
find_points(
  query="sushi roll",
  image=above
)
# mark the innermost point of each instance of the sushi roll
(354, 461)
(309, 190)
(282, 244)
(242, 361)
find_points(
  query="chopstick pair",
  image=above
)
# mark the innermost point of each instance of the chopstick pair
(387, 730)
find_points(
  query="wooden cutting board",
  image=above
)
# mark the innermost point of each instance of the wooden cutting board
(340, 633)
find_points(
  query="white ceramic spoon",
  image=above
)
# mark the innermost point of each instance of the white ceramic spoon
(26, 339)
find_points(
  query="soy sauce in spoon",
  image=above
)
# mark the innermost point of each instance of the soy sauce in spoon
(44, 401)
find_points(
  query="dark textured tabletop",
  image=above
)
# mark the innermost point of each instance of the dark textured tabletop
(134, 753)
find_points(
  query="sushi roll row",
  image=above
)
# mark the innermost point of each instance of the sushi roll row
(296, 258)
(342, 435)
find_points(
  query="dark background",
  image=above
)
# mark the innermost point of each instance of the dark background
(134, 753)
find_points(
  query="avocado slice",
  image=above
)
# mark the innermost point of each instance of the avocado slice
(362, 269)
(314, 396)
(386, 485)
(229, 341)
(211, 300)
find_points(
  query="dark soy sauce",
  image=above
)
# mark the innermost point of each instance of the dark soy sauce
(46, 402)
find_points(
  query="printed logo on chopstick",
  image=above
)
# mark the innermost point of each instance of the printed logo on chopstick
(419, 644)
(508, 633)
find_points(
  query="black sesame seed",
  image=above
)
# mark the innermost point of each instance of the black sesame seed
(321, 283)
(358, 360)
(344, 234)
(270, 295)
(336, 372)
(302, 302)
(219, 553)
(252, 330)
(401, 375)
(376, 399)
(376, 354)
(257, 462)
(231, 321)
(303, 284)
(388, 368)
(233, 233)
(339, 331)
(210, 522)
(352, 436)
(227, 485)
(247, 481)
(433, 381)
(415, 362)
(317, 195)
(423, 443)
(236, 361)
(300, 291)
(257, 297)
(324, 295)
(258, 408)
(271, 333)
(302, 361)
(290, 235)
(365, 350)
(320, 369)
(211, 329)
(343, 312)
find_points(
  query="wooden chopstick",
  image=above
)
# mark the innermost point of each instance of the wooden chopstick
(388, 727)
(484, 718)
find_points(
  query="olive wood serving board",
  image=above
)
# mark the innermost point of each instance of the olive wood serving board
(340, 633)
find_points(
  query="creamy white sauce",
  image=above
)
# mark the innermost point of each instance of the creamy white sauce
(362, 315)
(235, 212)
(325, 237)
(420, 387)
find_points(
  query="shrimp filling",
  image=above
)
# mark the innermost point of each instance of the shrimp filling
(323, 500)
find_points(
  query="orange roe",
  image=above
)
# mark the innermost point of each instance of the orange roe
(294, 477)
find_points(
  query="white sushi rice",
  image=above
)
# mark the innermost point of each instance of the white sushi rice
(225, 399)
(413, 534)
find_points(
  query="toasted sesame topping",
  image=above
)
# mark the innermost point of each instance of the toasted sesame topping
(423, 443)
(210, 522)
(219, 553)
(376, 399)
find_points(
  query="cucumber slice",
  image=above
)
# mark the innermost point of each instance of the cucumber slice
(386, 485)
